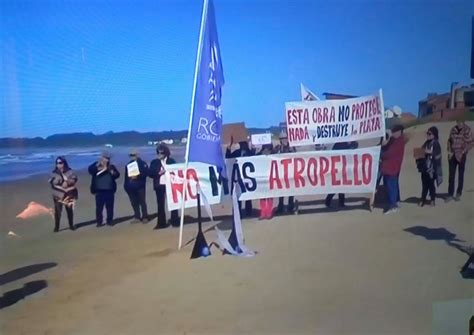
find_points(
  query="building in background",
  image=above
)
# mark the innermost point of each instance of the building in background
(447, 105)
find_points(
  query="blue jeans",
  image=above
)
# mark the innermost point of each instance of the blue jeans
(393, 190)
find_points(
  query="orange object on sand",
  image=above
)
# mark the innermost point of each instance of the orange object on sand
(33, 210)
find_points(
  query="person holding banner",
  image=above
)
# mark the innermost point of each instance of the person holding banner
(243, 151)
(157, 172)
(266, 205)
(391, 163)
(283, 148)
(136, 172)
(430, 166)
(342, 197)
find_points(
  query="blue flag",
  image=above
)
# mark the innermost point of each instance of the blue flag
(206, 125)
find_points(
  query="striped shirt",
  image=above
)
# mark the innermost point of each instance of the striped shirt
(460, 141)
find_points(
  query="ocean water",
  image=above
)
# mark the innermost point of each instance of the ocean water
(20, 163)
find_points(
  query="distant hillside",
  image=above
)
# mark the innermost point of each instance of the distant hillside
(126, 138)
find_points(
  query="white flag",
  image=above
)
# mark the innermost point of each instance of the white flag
(307, 95)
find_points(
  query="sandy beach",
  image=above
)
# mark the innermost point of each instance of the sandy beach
(320, 272)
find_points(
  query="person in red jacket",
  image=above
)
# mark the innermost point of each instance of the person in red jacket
(392, 158)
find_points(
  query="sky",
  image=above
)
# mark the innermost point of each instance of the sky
(97, 65)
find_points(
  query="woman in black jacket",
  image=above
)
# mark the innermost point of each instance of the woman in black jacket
(63, 184)
(157, 172)
(103, 186)
(430, 167)
(136, 172)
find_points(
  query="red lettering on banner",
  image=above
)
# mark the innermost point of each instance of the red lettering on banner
(357, 181)
(369, 125)
(298, 170)
(298, 134)
(323, 169)
(274, 177)
(345, 180)
(285, 163)
(334, 170)
(297, 116)
(177, 188)
(366, 168)
(312, 171)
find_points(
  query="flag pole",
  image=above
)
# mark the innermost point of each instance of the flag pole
(186, 155)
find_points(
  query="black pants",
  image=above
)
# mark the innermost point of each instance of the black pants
(248, 207)
(138, 200)
(428, 185)
(453, 164)
(58, 209)
(281, 204)
(160, 200)
(104, 198)
(342, 199)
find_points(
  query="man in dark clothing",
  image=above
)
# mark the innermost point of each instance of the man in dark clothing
(243, 151)
(103, 186)
(342, 197)
(392, 158)
(136, 173)
(284, 148)
(157, 172)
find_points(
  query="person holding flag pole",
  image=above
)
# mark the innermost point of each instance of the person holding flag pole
(205, 122)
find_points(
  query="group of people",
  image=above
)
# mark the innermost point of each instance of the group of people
(104, 186)
(104, 175)
(459, 143)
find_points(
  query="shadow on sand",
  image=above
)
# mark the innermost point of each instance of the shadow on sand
(23, 272)
(442, 234)
(13, 296)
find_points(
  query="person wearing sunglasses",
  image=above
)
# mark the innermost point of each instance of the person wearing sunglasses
(157, 172)
(104, 186)
(136, 172)
(63, 184)
(430, 167)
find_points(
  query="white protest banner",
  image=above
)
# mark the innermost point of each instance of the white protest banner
(332, 121)
(272, 176)
(261, 139)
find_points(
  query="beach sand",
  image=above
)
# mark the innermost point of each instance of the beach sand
(320, 272)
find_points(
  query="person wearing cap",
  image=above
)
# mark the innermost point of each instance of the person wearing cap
(157, 172)
(391, 163)
(460, 142)
(283, 148)
(104, 186)
(136, 172)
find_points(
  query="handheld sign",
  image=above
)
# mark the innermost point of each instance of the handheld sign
(261, 139)
(132, 169)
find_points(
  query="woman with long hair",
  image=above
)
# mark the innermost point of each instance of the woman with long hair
(430, 166)
(63, 185)
(157, 172)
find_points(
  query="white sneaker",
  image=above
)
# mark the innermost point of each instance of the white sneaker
(391, 211)
(399, 204)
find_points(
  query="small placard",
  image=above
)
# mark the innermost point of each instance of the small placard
(418, 153)
(261, 139)
(132, 169)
